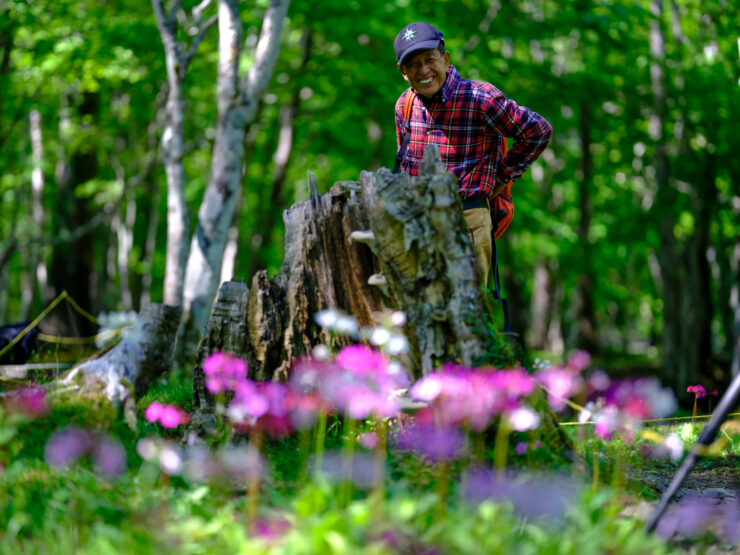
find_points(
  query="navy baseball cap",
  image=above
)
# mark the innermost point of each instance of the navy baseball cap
(416, 36)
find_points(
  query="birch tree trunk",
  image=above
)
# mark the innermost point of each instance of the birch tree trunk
(237, 103)
(34, 269)
(178, 227)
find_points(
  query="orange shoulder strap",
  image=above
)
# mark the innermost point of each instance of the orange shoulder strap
(408, 104)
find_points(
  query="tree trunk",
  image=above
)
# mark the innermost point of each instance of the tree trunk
(668, 257)
(236, 108)
(141, 357)
(72, 263)
(34, 267)
(735, 302)
(410, 228)
(586, 337)
(540, 305)
(178, 225)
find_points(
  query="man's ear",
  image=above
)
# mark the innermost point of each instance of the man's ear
(403, 72)
(446, 57)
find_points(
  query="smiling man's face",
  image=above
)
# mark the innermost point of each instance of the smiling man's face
(426, 71)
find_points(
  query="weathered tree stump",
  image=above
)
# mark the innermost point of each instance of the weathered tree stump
(388, 241)
(142, 356)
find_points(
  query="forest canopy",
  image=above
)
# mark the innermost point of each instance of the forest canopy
(625, 240)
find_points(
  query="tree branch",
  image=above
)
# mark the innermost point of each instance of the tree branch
(266, 52)
(201, 32)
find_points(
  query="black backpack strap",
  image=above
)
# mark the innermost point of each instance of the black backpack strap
(496, 279)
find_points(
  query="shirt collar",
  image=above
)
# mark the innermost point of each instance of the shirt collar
(450, 85)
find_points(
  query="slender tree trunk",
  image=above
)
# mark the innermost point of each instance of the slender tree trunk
(178, 226)
(150, 245)
(236, 108)
(585, 337)
(540, 305)
(34, 267)
(668, 257)
(735, 303)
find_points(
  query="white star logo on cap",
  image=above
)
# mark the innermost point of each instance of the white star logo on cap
(409, 36)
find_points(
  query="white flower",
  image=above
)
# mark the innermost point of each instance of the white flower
(346, 325)
(523, 419)
(379, 336)
(327, 318)
(674, 444)
(170, 460)
(321, 352)
(146, 449)
(397, 344)
(398, 318)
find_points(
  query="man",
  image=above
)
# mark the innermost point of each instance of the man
(467, 120)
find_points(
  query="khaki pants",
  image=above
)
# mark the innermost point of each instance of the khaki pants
(479, 223)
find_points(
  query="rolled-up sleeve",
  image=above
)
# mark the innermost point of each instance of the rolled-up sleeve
(530, 131)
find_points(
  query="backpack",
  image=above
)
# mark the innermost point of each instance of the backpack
(501, 205)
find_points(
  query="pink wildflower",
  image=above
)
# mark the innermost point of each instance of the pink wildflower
(223, 372)
(362, 360)
(697, 390)
(169, 416)
(369, 440)
(30, 401)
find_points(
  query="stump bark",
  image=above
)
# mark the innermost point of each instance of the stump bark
(387, 241)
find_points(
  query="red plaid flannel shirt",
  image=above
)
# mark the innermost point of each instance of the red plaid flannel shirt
(467, 120)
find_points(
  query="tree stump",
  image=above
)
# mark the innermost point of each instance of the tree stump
(389, 241)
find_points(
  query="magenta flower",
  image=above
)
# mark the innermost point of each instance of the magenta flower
(362, 360)
(169, 416)
(223, 372)
(271, 530)
(30, 401)
(579, 361)
(561, 384)
(697, 390)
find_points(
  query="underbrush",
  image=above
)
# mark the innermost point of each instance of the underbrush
(337, 461)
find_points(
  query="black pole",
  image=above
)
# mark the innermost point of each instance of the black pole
(729, 400)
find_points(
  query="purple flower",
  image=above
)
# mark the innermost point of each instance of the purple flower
(109, 457)
(525, 493)
(66, 447)
(521, 447)
(369, 440)
(435, 443)
(687, 518)
(362, 469)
